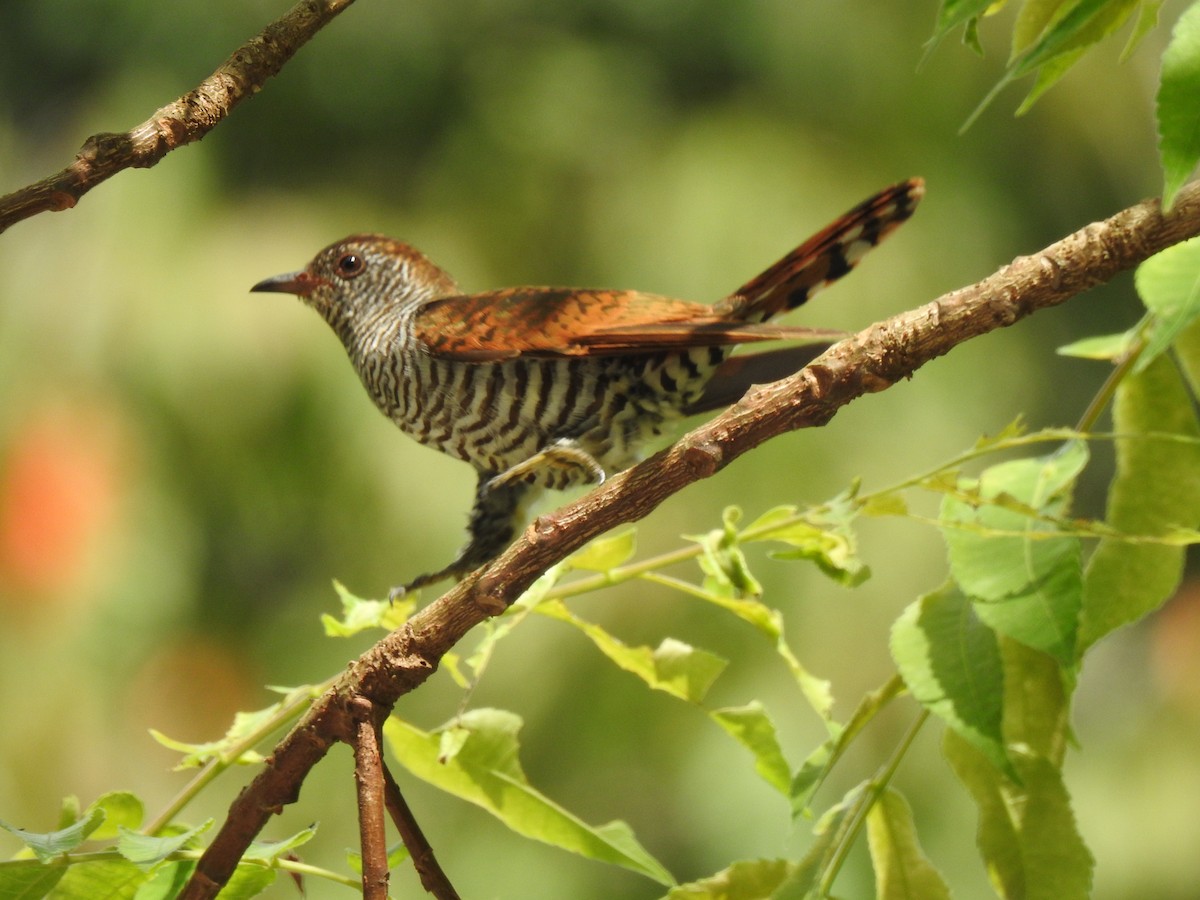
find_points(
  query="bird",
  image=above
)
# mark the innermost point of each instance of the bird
(547, 387)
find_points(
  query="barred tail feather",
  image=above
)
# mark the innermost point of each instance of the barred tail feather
(825, 257)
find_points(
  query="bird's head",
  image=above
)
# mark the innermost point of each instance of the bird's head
(363, 276)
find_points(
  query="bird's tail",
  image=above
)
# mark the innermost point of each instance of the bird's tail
(823, 258)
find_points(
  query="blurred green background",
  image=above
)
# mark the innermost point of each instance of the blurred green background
(185, 467)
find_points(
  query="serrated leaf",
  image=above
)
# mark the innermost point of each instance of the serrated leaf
(359, 614)
(146, 851)
(1156, 489)
(487, 773)
(951, 663)
(1029, 583)
(902, 871)
(49, 844)
(1107, 346)
(607, 552)
(816, 767)
(751, 727)
(747, 879)
(1169, 285)
(769, 622)
(121, 810)
(1027, 832)
(1178, 112)
(269, 851)
(673, 667)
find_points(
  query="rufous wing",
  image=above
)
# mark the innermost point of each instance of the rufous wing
(560, 322)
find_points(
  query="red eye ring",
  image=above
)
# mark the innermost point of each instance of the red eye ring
(349, 265)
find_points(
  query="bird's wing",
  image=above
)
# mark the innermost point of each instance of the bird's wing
(561, 322)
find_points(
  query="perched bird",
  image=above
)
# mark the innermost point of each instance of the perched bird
(542, 387)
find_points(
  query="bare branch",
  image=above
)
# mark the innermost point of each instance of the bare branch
(369, 782)
(870, 361)
(433, 879)
(185, 120)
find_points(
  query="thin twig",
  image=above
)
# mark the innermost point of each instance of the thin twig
(433, 878)
(369, 784)
(180, 122)
(872, 360)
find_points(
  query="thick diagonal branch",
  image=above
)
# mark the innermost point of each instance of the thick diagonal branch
(870, 361)
(181, 122)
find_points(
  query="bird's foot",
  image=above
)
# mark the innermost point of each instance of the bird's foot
(562, 464)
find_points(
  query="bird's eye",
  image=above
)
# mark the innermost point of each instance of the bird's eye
(349, 265)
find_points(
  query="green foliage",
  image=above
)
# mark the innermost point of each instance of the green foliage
(1051, 36)
(483, 768)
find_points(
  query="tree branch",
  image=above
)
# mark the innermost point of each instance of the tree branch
(369, 782)
(185, 120)
(870, 361)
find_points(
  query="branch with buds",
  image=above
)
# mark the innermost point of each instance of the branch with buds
(870, 361)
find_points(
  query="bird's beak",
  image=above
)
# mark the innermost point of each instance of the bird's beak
(299, 283)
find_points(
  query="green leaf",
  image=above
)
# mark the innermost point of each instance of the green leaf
(723, 561)
(48, 845)
(834, 550)
(396, 855)
(146, 851)
(769, 622)
(673, 667)
(1106, 347)
(820, 762)
(1155, 490)
(902, 871)
(751, 727)
(1147, 21)
(1187, 355)
(487, 773)
(121, 810)
(359, 614)
(747, 879)
(951, 663)
(166, 882)
(1029, 583)
(607, 552)
(24, 881)
(1027, 833)
(958, 12)
(1169, 285)
(229, 750)
(1178, 111)
(269, 851)
(807, 878)
(110, 879)
(248, 881)
(1074, 25)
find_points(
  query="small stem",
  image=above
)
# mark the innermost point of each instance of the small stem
(214, 767)
(1107, 390)
(853, 822)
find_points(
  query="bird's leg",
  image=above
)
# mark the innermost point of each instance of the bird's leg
(498, 513)
(560, 465)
